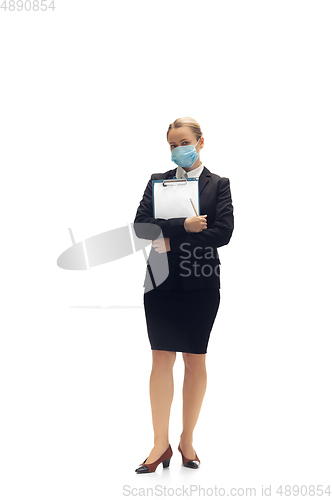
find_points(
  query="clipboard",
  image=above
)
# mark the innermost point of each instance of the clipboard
(171, 197)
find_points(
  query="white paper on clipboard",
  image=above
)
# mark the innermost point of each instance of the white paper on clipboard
(171, 198)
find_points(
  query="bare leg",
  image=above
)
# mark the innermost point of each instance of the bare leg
(194, 388)
(161, 395)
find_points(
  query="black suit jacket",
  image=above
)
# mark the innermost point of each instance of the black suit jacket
(193, 256)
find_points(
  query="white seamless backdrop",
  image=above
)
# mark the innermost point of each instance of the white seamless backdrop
(87, 92)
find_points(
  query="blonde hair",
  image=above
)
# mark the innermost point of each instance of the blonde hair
(186, 122)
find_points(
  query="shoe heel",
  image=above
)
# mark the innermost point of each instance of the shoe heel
(166, 463)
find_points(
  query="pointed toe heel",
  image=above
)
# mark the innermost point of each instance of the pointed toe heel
(191, 464)
(142, 469)
(164, 459)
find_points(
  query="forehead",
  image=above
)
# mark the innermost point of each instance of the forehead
(178, 134)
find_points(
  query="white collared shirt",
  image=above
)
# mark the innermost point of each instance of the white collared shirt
(180, 172)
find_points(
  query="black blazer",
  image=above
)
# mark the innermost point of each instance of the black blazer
(193, 256)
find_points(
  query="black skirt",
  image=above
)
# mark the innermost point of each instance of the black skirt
(181, 320)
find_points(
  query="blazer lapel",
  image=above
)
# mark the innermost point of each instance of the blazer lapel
(204, 179)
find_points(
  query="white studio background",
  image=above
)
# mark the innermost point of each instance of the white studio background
(87, 92)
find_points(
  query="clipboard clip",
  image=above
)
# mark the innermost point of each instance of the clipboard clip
(169, 181)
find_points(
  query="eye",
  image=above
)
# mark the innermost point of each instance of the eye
(185, 142)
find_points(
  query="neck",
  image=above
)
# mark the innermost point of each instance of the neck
(194, 166)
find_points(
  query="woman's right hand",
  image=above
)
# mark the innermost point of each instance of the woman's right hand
(195, 224)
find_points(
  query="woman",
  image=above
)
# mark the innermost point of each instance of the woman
(180, 312)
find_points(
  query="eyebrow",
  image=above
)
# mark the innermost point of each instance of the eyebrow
(179, 141)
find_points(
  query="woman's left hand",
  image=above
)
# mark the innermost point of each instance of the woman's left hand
(161, 245)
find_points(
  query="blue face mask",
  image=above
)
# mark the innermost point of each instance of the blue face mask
(185, 156)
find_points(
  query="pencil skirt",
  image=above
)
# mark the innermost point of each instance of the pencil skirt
(181, 320)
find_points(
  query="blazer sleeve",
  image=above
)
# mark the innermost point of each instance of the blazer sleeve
(147, 227)
(219, 233)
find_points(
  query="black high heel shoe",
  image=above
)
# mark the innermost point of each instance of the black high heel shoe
(164, 458)
(192, 464)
